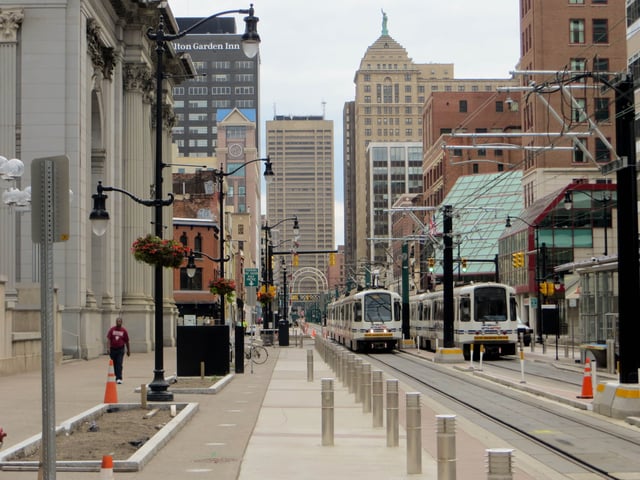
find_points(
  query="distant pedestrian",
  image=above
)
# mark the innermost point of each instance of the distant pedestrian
(117, 341)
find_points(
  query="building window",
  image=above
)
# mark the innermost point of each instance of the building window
(367, 99)
(578, 154)
(198, 90)
(600, 30)
(476, 168)
(462, 106)
(578, 65)
(482, 152)
(602, 109)
(241, 229)
(576, 1)
(578, 112)
(499, 106)
(197, 245)
(602, 151)
(576, 30)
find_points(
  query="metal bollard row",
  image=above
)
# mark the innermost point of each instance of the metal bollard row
(368, 388)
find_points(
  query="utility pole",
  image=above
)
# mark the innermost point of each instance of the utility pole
(628, 258)
(447, 276)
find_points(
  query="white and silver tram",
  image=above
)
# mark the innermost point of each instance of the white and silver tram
(484, 314)
(367, 320)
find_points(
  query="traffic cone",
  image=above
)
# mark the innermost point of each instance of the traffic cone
(111, 392)
(313, 333)
(587, 386)
(106, 470)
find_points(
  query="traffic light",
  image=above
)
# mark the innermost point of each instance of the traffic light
(463, 264)
(517, 259)
(432, 263)
(296, 260)
(543, 288)
(550, 288)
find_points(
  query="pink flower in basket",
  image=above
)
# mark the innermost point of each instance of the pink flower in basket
(223, 286)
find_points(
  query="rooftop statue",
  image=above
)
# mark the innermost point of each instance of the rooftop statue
(384, 23)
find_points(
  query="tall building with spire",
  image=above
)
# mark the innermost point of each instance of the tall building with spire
(391, 92)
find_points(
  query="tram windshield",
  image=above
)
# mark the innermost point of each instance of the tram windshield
(377, 307)
(490, 304)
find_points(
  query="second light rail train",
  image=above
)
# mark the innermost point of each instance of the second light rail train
(484, 316)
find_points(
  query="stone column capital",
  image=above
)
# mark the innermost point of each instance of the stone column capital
(10, 20)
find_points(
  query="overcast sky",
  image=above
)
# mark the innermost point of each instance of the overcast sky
(310, 51)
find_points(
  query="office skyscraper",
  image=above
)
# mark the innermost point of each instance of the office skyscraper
(301, 149)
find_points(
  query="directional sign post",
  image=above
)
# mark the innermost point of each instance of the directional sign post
(251, 277)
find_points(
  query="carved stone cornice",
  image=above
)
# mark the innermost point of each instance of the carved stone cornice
(102, 56)
(10, 21)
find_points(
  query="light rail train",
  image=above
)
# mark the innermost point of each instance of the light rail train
(484, 314)
(366, 321)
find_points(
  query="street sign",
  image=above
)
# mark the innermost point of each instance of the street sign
(251, 277)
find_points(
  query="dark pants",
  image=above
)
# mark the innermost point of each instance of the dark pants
(117, 355)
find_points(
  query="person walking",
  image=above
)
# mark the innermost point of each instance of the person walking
(117, 341)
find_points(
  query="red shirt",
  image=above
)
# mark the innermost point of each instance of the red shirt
(118, 337)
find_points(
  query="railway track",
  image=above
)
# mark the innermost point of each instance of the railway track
(580, 442)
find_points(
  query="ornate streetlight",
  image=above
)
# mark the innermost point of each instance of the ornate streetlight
(99, 216)
(267, 279)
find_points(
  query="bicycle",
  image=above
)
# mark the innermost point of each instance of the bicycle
(256, 353)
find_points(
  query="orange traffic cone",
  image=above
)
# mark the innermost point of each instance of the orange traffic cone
(111, 392)
(587, 386)
(106, 470)
(313, 333)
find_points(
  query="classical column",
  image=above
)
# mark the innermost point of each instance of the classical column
(10, 20)
(137, 303)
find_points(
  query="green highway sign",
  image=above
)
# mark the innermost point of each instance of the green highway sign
(251, 277)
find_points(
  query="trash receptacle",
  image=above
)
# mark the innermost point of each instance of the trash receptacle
(283, 333)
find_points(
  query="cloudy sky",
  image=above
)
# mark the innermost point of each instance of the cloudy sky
(310, 51)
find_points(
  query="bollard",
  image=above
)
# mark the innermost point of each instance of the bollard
(499, 464)
(201, 370)
(351, 366)
(345, 368)
(358, 380)
(327, 411)
(446, 440)
(338, 364)
(393, 432)
(366, 388)
(414, 433)
(309, 365)
(376, 398)
(143, 396)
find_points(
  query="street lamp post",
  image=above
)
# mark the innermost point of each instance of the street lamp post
(267, 279)
(220, 176)
(250, 42)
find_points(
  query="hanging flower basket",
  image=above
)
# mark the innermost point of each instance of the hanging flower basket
(266, 295)
(157, 251)
(223, 286)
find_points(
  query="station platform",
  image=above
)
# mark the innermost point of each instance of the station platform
(266, 423)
